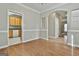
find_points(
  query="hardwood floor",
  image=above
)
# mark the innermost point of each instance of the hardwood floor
(41, 47)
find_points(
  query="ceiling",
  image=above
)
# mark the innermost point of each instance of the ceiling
(41, 7)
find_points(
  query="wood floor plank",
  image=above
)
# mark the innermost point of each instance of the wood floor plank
(41, 47)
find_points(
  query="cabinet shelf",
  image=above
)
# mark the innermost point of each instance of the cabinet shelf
(14, 27)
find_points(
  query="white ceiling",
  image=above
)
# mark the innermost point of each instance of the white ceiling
(42, 6)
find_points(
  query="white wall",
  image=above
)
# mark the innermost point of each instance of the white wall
(31, 22)
(51, 25)
(43, 28)
(32, 27)
(73, 30)
(69, 7)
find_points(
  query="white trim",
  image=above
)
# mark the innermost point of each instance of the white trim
(5, 46)
(39, 12)
(32, 30)
(47, 26)
(3, 31)
(74, 45)
(52, 11)
(22, 26)
(51, 37)
(20, 4)
(43, 30)
(43, 38)
(30, 40)
(73, 30)
(69, 44)
(53, 8)
(14, 41)
(66, 10)
(35, 30)
(8, 26)
(13, 12)
(46, 29)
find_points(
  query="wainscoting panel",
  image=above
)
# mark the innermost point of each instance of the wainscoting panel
(27, 35)
(3, 39)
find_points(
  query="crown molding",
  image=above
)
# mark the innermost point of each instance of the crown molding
(39, 12)
(20, 4)
(53, 8)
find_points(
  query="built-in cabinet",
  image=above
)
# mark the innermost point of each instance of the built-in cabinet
(15, 28)
(15, 24)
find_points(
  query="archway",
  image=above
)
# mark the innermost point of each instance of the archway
(56, 24)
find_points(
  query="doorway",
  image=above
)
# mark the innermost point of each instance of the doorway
(57, 25)
(14, 28)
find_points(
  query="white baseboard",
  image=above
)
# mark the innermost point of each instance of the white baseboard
(30, 40)
(52, 37)
(14, 41)
(5, 46)
(74, 45)
(69, 44)
(43, 38)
